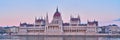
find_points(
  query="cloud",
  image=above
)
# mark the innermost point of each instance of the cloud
(117, 19)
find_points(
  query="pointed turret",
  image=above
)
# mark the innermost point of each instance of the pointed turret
(57, 10)
(35, 18)
(70, 16)
(79, 18)
(57, 14)
(47, 20)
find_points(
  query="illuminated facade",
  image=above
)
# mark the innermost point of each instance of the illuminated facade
(57, 27)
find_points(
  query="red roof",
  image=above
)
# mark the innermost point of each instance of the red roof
(75, 19)
(39, 20)
(57, 14)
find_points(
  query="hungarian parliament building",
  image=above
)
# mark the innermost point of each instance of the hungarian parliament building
(57, 27)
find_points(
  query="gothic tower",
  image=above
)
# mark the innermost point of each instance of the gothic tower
(75, 21)
(47, 20)
(57, 19)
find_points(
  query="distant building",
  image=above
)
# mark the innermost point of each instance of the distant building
(103, 29)
(2, 30)
(112, 29)
(12, 30)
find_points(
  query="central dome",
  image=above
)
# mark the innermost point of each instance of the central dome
(57, 13)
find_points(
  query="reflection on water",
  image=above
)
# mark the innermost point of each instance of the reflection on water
(57, 38)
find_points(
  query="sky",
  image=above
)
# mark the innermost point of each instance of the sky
(106, 12)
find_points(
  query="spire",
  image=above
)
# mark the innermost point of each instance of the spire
(20, 23)
(47, 21)
(57, 13)
(57, 9)
(94, 19)
(87, 20)
(70, 16)
(78, 16)
(42, 17)
(35, 18)
(47, 16)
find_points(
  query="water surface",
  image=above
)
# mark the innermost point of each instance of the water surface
(57, 38)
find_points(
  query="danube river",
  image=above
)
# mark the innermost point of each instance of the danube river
(57, 38)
